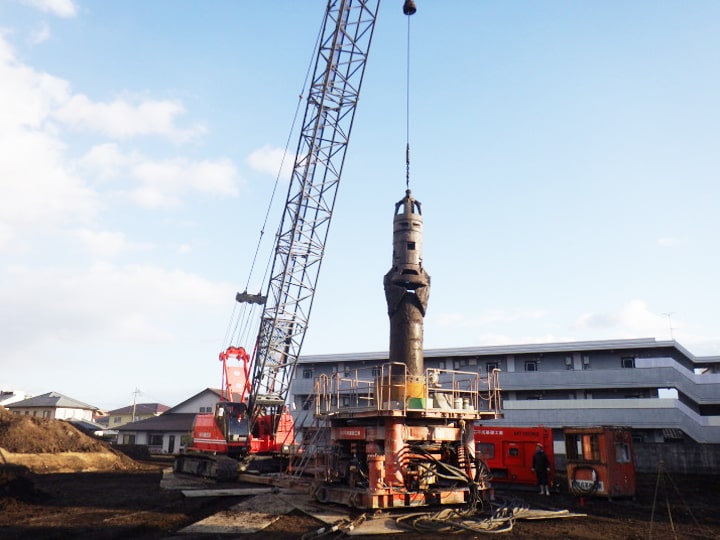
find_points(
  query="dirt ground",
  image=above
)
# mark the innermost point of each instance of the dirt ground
(123, 499)
(100, 506)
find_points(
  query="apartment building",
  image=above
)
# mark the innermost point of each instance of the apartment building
(662, 391)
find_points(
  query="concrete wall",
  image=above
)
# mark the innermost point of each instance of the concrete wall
(686, 457)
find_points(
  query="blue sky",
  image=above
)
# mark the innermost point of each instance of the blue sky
(566, 155)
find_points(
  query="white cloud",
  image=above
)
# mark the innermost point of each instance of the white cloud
(105, 160)
(61, 8)
(123, 118)
(163, 182)
(460, 320)
(104, 303)
(633, 320)
(44, 190)
(666, 241)
(270, 160)
(106, 244)
(27, 97)
(38, 189)
(41, 34)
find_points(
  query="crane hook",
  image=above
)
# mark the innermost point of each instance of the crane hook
(409, 7)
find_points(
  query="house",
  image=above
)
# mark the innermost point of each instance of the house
(53, 405)
(11, 396)
(133, 413)
(170, 432)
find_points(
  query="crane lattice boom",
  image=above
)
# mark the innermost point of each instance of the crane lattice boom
(300, 243)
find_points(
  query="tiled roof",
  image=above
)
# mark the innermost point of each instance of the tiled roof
(51, 399)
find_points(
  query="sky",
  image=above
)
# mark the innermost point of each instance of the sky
(565, 153)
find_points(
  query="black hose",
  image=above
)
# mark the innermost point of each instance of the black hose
(577, 489)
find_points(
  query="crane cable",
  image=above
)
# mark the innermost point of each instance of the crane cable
(239, 324)
(408, 9)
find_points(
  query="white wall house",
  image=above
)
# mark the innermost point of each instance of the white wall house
(8, 397)
(170, 432)
(53, 405)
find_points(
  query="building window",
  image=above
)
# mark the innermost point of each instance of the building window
(627, 362)
(459, 363)
(117, 419)
(307, 403)
(531, 365)
(486, 450)
(582, 447)
(205, 410)
(622, 452)
(155, 439)
(307, 373)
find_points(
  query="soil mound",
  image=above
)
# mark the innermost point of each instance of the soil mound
(49, 445)
(23, 434)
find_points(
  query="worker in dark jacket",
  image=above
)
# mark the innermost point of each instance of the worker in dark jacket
(541, 467)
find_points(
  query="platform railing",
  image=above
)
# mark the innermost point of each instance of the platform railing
(387, 390)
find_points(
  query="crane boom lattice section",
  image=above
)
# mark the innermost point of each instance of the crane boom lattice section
(300, 243)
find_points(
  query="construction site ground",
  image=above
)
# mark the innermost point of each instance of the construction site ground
(47, 493)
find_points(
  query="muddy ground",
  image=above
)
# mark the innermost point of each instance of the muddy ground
(132, 505)
(47, 492)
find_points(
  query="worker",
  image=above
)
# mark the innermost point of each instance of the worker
(541, 467)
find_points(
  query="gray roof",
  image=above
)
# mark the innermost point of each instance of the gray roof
(141, 408)
(164, 422)
(51, 399)
(531, 348)
(87, 427)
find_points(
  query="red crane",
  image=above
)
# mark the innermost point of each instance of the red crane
(254, 420)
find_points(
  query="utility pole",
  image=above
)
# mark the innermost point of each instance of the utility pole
(672, 337)
(135, 394)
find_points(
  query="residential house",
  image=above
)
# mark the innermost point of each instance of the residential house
(170, 432)
(53, 405)
(11, 396)
(134, 413)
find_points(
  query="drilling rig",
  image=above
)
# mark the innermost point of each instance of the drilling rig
(406, 437)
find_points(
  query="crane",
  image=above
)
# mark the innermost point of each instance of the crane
(255, 420)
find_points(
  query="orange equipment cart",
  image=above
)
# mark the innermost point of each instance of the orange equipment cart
(600, 461)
